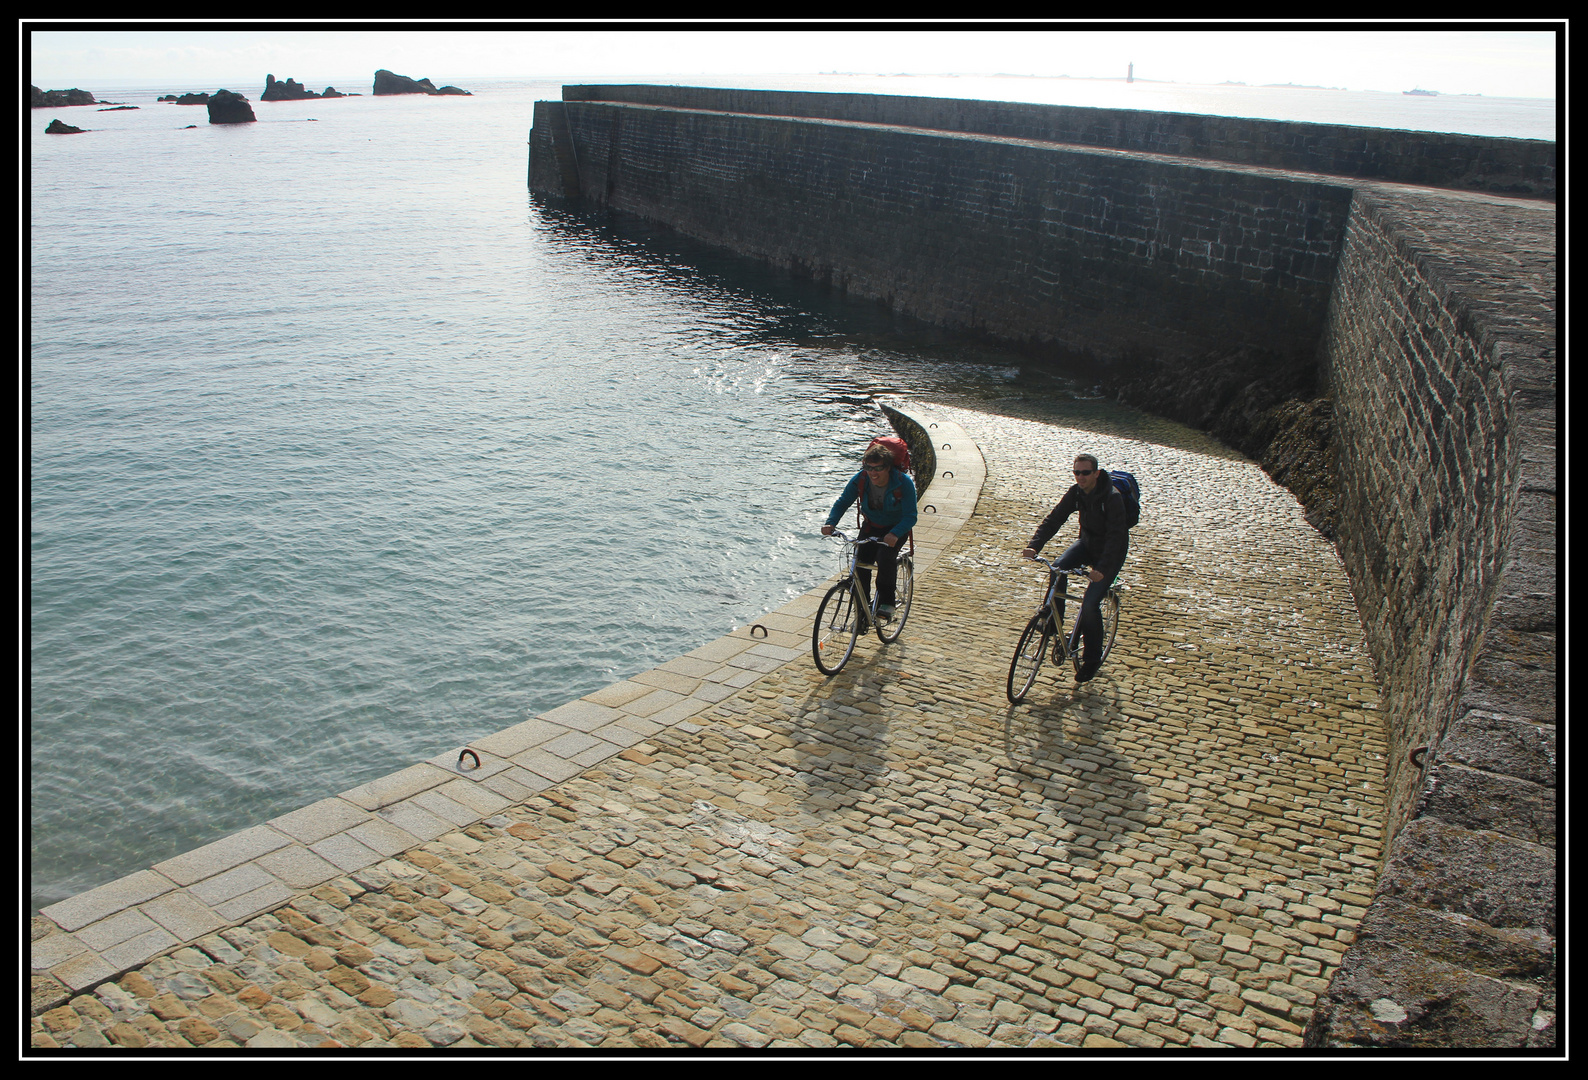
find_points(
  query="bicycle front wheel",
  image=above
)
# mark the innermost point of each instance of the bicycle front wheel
(1028, 657)
(889, 631)
(837, 628)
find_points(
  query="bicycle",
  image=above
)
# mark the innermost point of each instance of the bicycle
(1033, 645)
(845, 613)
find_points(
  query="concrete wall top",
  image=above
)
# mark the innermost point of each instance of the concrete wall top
(1519, 167)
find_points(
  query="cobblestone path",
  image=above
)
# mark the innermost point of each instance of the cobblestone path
(1174, 854)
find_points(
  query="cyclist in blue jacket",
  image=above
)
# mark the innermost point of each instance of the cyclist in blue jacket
(1102, 545)
(887, 509)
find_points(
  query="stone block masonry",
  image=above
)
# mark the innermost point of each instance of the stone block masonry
(1465, 162)
(1235, 262)
(1080, 251)
(1440, 354)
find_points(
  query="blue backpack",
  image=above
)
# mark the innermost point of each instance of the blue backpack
(1130, 491)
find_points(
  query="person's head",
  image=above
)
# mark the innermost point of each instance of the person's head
(1086, 471)
(878, 463)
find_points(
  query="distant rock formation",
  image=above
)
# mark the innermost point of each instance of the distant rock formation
(291, 90)
(60, 99)
(229, 108)
(187, 99)
(388, 83)
(118, 108)
(58, 128)
(331, 91)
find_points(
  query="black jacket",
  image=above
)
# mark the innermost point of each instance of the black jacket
(1102, 523)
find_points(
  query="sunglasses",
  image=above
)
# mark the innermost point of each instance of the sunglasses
(1084, 472)
(875, 468)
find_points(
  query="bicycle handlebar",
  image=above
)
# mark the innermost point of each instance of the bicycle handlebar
(1082, 569)
(846, 538)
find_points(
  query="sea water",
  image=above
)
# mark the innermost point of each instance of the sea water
(345, 450)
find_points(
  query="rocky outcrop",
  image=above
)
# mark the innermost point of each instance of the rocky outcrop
(387, 82)
(60, 99)
(196, 98)
(229, 108)
(331, 91)
(58, 128)
(291, 90)
(120, 108)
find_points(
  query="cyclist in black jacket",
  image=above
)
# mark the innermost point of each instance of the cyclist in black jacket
(1102, 545)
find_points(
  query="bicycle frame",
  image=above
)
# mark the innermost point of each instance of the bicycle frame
(854, 543)
(845, 612)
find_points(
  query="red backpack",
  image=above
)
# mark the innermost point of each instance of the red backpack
(895, 446)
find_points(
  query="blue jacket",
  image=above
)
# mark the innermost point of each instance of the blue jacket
(897, 514)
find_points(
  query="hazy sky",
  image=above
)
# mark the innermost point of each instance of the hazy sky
(1444, 56)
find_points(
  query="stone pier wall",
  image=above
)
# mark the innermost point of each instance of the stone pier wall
(1440, 357)
(1425, 315)
(1438, 159)
(1075, 250)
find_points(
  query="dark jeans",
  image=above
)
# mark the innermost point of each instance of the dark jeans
(887, 560)
(1091, 604)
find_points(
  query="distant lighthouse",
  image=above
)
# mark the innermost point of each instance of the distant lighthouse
(1130, 72)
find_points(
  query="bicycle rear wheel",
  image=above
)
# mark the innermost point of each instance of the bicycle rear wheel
(1028, 657)
(837, 628)
(1110, 622)
(889, 631)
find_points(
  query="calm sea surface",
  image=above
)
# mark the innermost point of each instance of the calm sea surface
(345, 451)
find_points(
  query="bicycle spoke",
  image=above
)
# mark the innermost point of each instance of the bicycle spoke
(1110, 622)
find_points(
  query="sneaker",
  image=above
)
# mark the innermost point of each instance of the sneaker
(1088, 670)
(884, 612)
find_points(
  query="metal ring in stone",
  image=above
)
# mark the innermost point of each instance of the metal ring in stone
(756, 627)
(466, 752)
(947, 447)
(929, 508)
(948, 474)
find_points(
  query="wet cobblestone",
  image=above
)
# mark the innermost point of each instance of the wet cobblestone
(1173, 855)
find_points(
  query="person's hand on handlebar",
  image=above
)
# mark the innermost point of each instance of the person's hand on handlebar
(891, 540)
(827, 530)
(1029, 553)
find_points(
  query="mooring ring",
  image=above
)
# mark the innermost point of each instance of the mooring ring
(946, 446)
(929, 508)
(1416, 756)
(466, 752)
(948, 474)
(755, 627)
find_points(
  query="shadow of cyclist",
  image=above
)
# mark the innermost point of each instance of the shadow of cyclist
(1061, 746)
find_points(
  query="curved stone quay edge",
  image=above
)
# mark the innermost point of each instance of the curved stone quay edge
(732, 851)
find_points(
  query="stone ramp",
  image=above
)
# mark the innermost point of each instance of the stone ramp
(1173, 855)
